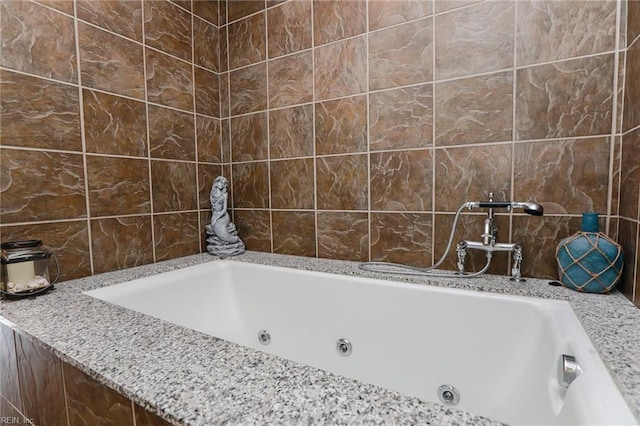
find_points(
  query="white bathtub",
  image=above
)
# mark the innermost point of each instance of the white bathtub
(500, 352)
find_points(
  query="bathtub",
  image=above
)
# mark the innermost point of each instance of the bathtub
(500, 353)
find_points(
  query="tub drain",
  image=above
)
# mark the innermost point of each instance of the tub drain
(448, 395)
(344, 348)
(264, 337)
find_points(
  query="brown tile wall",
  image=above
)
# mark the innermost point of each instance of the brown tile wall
(629, 176)
(110, 128)
(356, 128)
(36, 385)
(348, 129)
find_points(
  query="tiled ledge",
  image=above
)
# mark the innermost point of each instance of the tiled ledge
(190, 378)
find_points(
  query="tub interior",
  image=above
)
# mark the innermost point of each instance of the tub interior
(500, 352)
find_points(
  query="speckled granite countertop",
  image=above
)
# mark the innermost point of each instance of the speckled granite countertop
(190, 378)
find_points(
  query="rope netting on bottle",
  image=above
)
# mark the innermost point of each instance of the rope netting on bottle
(595, 276)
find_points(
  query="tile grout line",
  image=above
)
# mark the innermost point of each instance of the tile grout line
(228, 119)
(146, 103)
(105, 92)
(267, 114)
(390, 150)
(195, 122)
(83, 139)
(54, 221)
(313, 132)
(433, 133)
(514, 125)
(614, 117)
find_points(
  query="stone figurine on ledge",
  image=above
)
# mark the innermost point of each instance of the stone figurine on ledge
(222, 236)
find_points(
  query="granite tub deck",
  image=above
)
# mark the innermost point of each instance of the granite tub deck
(190, 378)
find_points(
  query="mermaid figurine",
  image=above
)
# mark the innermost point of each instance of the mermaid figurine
(222, 235)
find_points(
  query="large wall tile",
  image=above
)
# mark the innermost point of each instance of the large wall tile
(65, 6)
(167, 28)
(9, 382)
(248, 89)
(207, 173)
(224, 95)
(401, 55)
(289, 27)
(171, 134)
(38, 41)
(337, 19)
(291, 132)
(40, 376)
(342, 182)
(209, 10)
(294, 233)
(292, 184)
(630, 175)
(251, 185)
(401, 180)
(55, 190)
(340, 68)
(237, 9)
(69, 240)
(401, 118)
(249, 137)
(122, 17)
(38, 113)
(628, 239)
(444, 5)
(631, 117)
(114, 125)
(401, 238)
(173, 186)
(343, 236)
(291, 80)
(475, 39)
(120, 243)
(223, 45)
(567, 176)
(247, 41)
(341, 126)
(118, 186)
(564, 29)
(90, 402)
(474, 110)
(469, 174)
(110, 63)
(206, 47)
(208, 136)
(539, 237)
(169, 81)
(176, 235)
(207, 90)
(254, 228)
(383, 13)
(565, 99)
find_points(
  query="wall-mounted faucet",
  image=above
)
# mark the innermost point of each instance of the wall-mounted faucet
(489, 243)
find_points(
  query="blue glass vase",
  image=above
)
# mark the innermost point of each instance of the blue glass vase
(589, 261)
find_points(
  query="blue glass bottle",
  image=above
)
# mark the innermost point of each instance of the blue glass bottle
(589, 261)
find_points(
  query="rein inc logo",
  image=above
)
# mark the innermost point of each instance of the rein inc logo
(4, 420)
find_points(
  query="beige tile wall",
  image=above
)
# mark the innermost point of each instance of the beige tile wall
(349, 129)
(110, 130)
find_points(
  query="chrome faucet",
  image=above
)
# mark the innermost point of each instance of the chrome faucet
(489, 242)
